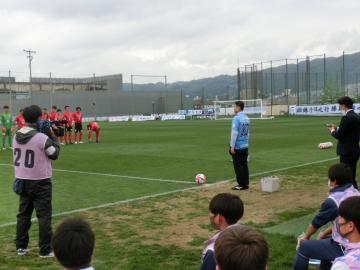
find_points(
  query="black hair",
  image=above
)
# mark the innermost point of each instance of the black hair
(341, 173)
(44, 109)
(73, 243)
(54, 107)
(240, 104)
(349, 209)
(78, 108)
(58, 110)
(347, 101)
(5, 107)
(67, 106)
(229, 206)
(32, 114)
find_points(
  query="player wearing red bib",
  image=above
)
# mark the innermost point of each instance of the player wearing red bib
(53, 114)
(60, 118)
(19, 120)
(44, 115)
(93, 127)
(68, 126)
(77, 117)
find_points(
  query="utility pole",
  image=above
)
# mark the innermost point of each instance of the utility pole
(30, 57)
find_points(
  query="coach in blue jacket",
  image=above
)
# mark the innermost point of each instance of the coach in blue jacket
(239, 144)
(348, 135)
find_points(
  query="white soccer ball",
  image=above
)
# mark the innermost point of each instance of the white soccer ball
(200, 179)
(325, 145)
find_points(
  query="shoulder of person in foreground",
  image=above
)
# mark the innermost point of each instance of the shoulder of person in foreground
(340, 266)
(328, 212)
(209, 262)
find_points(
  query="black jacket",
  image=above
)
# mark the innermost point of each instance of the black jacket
(348, 134)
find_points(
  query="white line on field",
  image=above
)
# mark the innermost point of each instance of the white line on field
(141, 198)
(139, 178)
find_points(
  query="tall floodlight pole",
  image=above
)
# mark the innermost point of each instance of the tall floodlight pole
(30, 57)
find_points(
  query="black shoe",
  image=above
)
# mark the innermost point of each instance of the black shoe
(238, 187)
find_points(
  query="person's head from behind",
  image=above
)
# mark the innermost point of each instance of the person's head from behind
(225, 209)
(73, 243)
(66, 108)
(21, 111)
(348, 222)
(54, 108)
(78, 109)
(345, 103)
(241, 248)
(339, 174)
(44, 110)
(58, 110)
(32, 114)
(6, 108)
(239, 106)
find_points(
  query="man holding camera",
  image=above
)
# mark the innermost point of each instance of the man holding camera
(32, 154)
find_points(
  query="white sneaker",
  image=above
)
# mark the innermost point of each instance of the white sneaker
(3, 148)
(62, 143)
(22, 251)
(76, 142)
(50, 255)
(81, 142)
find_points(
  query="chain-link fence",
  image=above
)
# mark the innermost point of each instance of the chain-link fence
(315, 79)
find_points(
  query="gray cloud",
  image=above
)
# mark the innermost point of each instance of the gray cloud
(183, 39)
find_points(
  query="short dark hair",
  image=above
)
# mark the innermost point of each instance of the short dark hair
(347, 101)
(32, 114)
(58, 110)
(44, 109)
(5, 107)
(21, 110)
(73, 243)
(78, 108)
(349, 209)
(240, 104)
(228, 205)
(54, 107)
(341, 173)
(241, 248)
(67, 106)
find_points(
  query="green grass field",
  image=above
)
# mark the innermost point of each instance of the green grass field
(152, 158)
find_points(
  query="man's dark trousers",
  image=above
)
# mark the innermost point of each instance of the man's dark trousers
(240, 161)
(37, 195)
(351, 161)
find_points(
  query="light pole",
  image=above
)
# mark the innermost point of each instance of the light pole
(30, 57)
(153, 107)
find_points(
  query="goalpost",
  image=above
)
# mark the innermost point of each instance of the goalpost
(253, 108)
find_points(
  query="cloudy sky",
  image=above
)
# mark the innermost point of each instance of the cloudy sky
(184, 39)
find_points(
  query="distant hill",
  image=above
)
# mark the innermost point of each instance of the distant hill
(223, 85)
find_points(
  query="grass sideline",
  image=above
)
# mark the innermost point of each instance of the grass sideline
(170, 150)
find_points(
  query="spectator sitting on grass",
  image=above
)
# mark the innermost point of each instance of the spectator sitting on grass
(348, 224)
(241, 248)
(225, 210)
(330, 243)
(73, 244)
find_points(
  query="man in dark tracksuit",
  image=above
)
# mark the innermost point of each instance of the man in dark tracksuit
(32, 154)
(348, 135)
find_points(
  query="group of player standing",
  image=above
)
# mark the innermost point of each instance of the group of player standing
(62, 123)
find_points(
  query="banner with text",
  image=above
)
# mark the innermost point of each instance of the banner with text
(328, 109)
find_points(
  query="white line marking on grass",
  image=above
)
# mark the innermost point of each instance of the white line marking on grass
(139, 178)
(141, 198)
(294, 167)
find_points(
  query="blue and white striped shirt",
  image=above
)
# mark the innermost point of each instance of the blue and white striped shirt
(240, 131)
